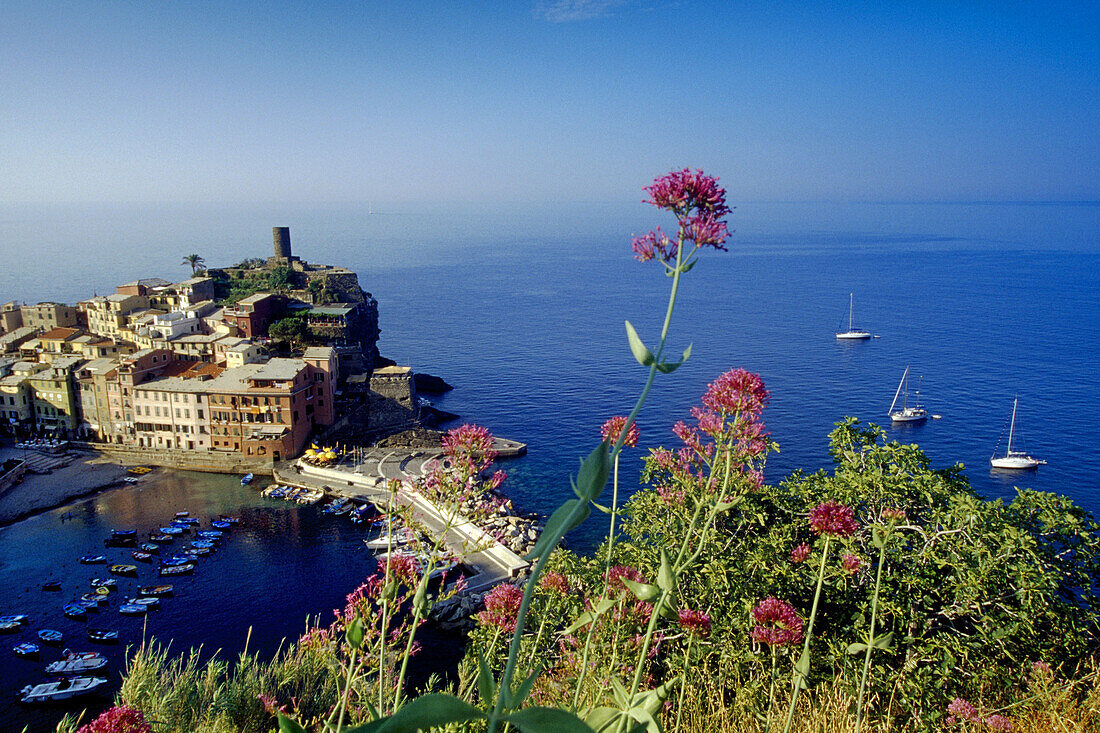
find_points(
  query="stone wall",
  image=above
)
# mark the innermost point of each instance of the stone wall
(13, 475)
(187, 460)
(392, 402)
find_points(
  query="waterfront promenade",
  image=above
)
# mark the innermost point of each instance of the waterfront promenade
(370, 478)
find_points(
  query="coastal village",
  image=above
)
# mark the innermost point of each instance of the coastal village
(240, 370)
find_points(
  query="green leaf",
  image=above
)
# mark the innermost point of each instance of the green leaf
(583, 620)
(354, 633)
(601, 718)
(592, 476)
(621, 695)
(420, 600)
(857, 648)
(725, 506)
(666, 578)
(877, 539)
(686, 267)
(547, 720)
(643, 591)
(601, 507)
(289, 725)
(885, 641)
(423, 713)
(486, 685)
(559, 523)
(641, 352)
(524, 688)
(604, 606)
(667, 610)
(803, 665)
(669, 367)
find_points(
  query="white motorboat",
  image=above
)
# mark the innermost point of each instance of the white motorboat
(907, 413)
(853, 333)
(1014, 458)
(396, 539)
(77, 663)
(62, 689)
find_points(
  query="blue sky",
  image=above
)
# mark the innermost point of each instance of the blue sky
(557, 101)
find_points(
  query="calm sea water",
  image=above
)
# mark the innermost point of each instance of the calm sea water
(522, 310)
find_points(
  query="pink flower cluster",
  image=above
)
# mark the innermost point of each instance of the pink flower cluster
(616, 574)
(611, 430)
(555, 582)
(694, 622)
(469, 446)
(892, 514)
(501, 607)
(800, 553)
(698, 203)
(851, 563)
(736, 391)
(120, 719)
(777, 623)
(833, 519)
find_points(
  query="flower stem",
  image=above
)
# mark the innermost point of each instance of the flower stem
(870, 635)
(683, 685)
(799, 679)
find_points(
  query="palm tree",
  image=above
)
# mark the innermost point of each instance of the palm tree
(196, 263)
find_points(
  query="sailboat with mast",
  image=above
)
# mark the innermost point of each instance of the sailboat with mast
(1014, 458)
(907, 413)
(852, 333)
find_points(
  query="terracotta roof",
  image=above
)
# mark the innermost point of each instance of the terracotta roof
(60, 334)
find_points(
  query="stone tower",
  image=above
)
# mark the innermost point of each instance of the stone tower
(283, 256)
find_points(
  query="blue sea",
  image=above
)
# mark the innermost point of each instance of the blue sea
(521, 308)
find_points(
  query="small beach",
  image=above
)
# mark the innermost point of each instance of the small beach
(86, 474)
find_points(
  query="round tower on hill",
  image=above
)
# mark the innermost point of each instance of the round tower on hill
(281, 235)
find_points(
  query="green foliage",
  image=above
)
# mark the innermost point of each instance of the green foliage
(292, 330)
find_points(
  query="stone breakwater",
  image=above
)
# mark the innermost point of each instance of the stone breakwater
(517, 532)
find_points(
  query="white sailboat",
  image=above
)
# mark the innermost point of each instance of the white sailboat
(1011, 458)
(907, 413)
(852, 333)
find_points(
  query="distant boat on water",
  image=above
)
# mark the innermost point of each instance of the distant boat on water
(907, 413)
(853, 333)
(1014, 458)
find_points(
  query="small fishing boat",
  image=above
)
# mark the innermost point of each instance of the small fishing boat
(122, 569)
(74, 610)
(49, 636)
(19, 618)
(230, 520)
(123, 533)
(247, 479)
(139, 470)
(10, 627)
(62, 689)
(97, 598)
(132, 609)
(76, 663)
(147, 601)
(185, 522)
(155, 590)
(142, 556)
(384, 540)
(202, 545)
(178, 569)
(162, 539)
(210, 534)
(173, 531)
(103, 636)
(88, 605)
(52, 585)
(26, 649)
(149, 547)
(175, 561)
(131, 479)
(221, 524)
(181, 515)
(198, 552)
(93, 559)
(104, 583)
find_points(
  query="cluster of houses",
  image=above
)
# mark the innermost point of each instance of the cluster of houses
(160, 365)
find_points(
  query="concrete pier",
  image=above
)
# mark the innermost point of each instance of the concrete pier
(370, 480)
